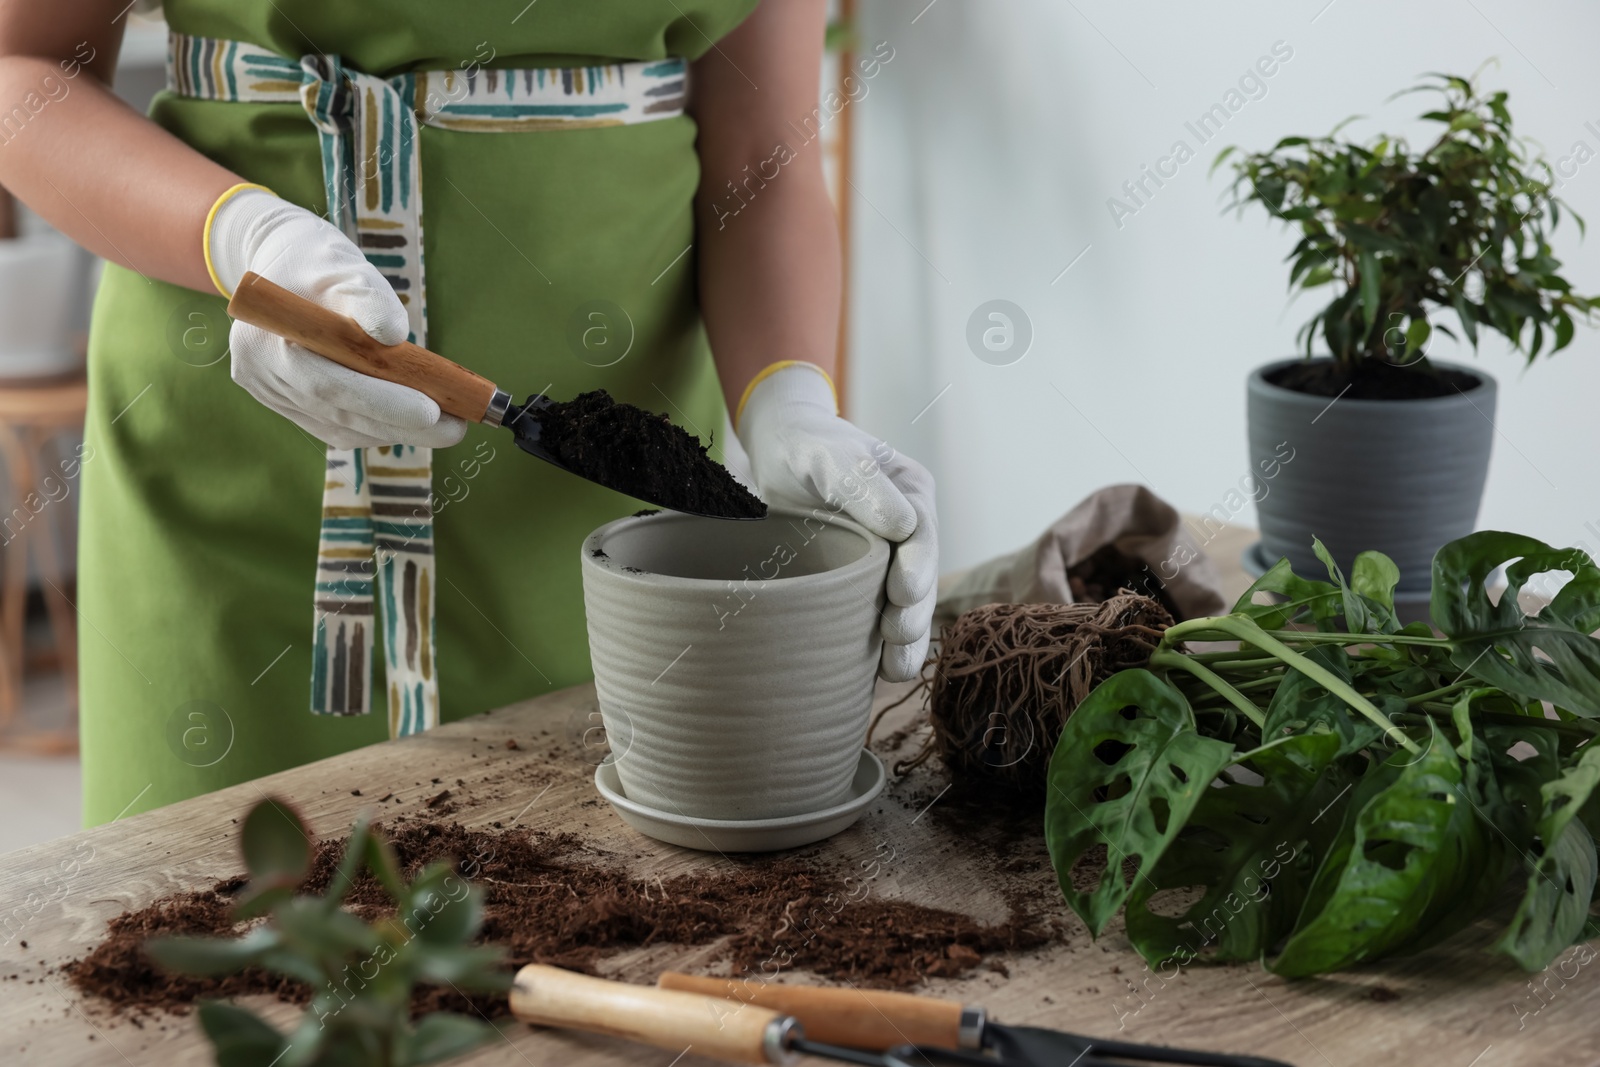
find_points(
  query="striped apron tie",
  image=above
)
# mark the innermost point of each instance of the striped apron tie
(377, 511)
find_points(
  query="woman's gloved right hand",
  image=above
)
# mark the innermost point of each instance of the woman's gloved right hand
(253, 230)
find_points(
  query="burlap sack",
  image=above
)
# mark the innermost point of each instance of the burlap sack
(1139, 523)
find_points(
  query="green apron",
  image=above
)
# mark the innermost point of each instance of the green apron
(201, 509)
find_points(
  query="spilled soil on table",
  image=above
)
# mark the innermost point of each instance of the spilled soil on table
(551, 898)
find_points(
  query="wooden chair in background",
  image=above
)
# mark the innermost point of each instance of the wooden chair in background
(31, 415)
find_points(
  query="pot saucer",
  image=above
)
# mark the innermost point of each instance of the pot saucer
(745, 835)
(1412, 606)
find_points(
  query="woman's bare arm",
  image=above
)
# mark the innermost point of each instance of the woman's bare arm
(93, 167)
(769, 241)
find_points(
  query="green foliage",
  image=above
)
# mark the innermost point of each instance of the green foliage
(277, 853)
(1549, 656)
(1462, 225)
(362, 976)
(1232, 849)
(1144, 765)
(1338, 788)
(1555, 908)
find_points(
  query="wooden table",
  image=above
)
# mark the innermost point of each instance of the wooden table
(1454, 1006)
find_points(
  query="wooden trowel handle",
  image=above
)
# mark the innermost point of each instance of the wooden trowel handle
(457, 390)
(855, 1018)
(710, 1026)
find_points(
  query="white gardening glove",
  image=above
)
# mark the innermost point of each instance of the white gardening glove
(802, 454)
(254, 230)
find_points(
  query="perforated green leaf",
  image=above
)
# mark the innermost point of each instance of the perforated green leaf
(1561, 881)
(1548, 656)
(1390, 779)
(1410, 849)
(1249, 849)
(1127, 771)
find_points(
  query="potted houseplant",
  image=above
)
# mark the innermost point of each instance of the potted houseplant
(1391, 448)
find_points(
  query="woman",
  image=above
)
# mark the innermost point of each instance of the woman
(234, 534)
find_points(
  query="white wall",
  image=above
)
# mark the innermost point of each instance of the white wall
(987, 149)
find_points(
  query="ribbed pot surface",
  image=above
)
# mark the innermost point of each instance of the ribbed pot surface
(1400, 476)
(735, 661)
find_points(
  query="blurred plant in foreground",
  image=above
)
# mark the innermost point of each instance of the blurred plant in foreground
(362, 975)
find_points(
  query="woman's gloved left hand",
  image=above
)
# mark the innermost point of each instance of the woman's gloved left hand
(802, 454)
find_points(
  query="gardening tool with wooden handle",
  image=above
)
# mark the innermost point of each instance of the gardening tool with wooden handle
(709, 1026)
(666, 1019)
(856, 1018)
(908, 1028)
(457, 390)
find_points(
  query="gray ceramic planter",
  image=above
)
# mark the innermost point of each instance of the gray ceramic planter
(1400, 476)
(734, 662)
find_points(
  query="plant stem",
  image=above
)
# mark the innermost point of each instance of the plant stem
(1235, 660)
(1242, 628)
(1572, 728)
(1166, 657)
(1329, 638)
(1273, 680)
(1434, 694)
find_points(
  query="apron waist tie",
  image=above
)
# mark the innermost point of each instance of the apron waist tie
(377, 516)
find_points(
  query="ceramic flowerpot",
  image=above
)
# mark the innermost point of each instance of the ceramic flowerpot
(38, 287)
(1400, 476)
(734, 661)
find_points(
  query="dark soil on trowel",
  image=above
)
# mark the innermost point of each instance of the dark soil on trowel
(638, 453)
